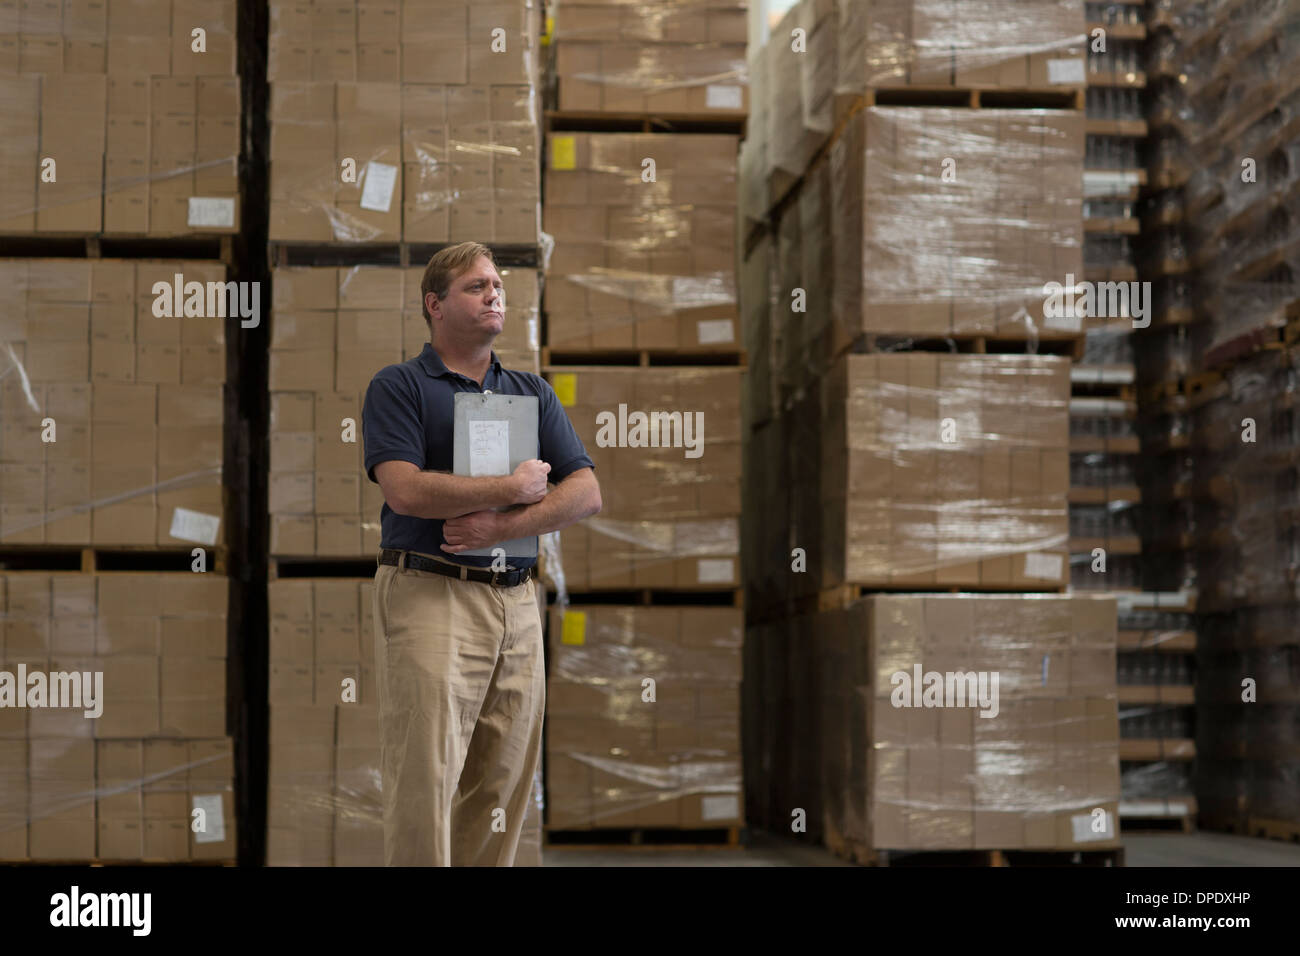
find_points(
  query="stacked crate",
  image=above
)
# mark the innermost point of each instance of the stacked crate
(907, 412)
(642, 343)
(111, 454)
(1218, 384)
(397, 128)
(638, 59)
(120, 120)
(126, 783)
(413, 120)
(122, 124)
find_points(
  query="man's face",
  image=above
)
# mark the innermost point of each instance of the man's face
(475, 306)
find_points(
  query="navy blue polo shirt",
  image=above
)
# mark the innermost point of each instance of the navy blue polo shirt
(407, 416)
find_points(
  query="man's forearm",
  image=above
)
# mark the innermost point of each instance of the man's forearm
(571, 500)
(436, 494)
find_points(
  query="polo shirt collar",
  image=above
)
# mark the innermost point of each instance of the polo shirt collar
(434, 365)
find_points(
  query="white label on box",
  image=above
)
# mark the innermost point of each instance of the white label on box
(377, 193)
(1066, 71)
(489, 448)
(1082, 825)
(214, 823)
(717, 570)
(1048, 566)
(717, 97)
(725, 807)
(211, 211)
(194, 526)
(713, 331)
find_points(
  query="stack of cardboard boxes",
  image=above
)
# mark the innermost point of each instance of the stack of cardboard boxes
(1216, 376)
(324, 803)
(1012, 748)
(643, 712)
(112, 409)
(836, 56)
(641, 263)
(1006, 44)
(873, 463)
(619, 758)
(665, 442)
(644, 58)
(394, 120)
(120, 118)
(404, 119)
(123, 784)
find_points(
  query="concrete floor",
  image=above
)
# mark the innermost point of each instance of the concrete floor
(1156, 849)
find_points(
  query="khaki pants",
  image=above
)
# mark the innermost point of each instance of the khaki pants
(462, 688)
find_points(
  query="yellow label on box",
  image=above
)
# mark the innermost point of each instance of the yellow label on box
(574, 630)
(564, 152)
(566, 388)
(549, 31)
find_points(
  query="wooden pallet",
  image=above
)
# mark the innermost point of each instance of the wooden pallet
(143, 862)
(1286, 830)
(82, 246)
(1267, 338)
(1174, 695)
(321, 566)
(1191, 386)
(1103, 494)
(726, 122)
(968, 97)
(48, 559)
(1050, 342)
(659, 839)
(867, 856)
(1120, 31)
(1127, 544)
(656, 597)
(553, 356)
(837, 598)
(285, 253)
(1135, 128)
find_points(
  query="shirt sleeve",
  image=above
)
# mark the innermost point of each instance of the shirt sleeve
(391, 424)
(561, 448)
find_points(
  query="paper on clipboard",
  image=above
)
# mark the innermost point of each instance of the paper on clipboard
(489, 448)
(492, 435)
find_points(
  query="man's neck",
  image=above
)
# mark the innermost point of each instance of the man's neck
(472, 363)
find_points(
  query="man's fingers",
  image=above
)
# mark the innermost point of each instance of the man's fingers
(454, 549)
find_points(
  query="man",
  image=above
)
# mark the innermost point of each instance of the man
(458, 647)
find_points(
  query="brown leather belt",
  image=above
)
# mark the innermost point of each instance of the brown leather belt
(499, 579)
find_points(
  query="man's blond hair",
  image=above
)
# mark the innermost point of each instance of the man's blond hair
(445, 266)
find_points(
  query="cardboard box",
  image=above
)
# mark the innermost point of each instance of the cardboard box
(938, 774)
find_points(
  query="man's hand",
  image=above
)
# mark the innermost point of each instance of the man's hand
(479, 529)
(530, 482)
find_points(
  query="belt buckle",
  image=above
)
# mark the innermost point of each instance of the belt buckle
(495, 574)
